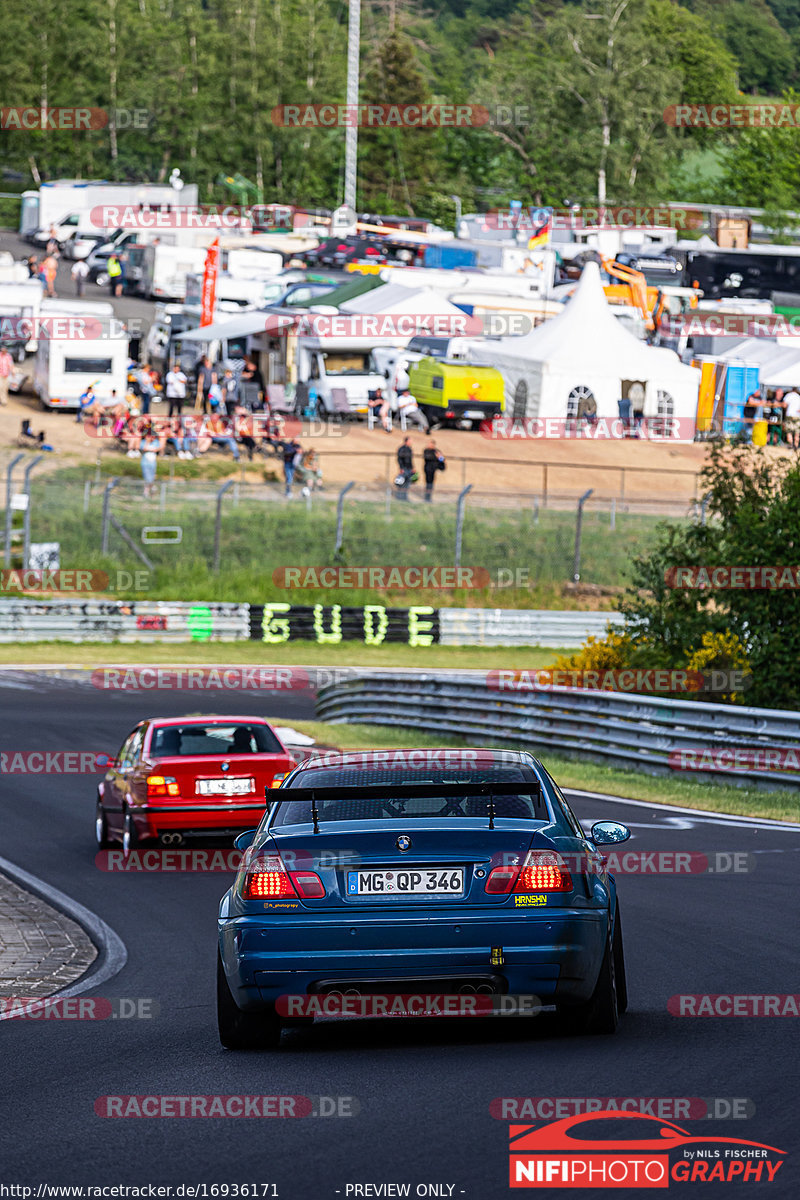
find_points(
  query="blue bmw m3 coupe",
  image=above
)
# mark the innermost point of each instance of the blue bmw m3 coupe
(454, 872)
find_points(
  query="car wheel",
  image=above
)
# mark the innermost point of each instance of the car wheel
(243, 1030)
(600, 1013)
(130, 838)
(101, 828)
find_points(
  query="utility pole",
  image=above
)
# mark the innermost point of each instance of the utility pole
(351, 129)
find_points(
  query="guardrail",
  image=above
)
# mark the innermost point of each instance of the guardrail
(521, 627)
(644, 733)
(94, 620)
(25, 619)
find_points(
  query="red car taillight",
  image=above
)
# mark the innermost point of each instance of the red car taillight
(162, 785)
(268, 879)
(277, 780)
(542, 871)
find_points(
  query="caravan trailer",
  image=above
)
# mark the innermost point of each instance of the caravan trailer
(20, 301)
(66, 365)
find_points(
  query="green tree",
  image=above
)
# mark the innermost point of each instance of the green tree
(753, 520)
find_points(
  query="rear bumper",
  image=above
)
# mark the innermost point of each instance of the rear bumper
(152, 820)
(556, 956)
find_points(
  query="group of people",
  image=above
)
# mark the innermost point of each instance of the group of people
(433, 461)
(408, 410)
(781, 413)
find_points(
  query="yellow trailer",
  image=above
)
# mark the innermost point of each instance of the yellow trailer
(454, 393)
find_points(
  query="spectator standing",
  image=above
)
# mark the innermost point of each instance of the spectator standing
(114, 272)
(292, 456)
(205, 378)
(79, 274)
(175, 389)
(149, 447)
(408, 407)
(32, 264)
(230, 390)
(147, 389)
(6, 367)
(48, 270)
(405, 463)
(791, 418)
(624, 407)
(433, 461)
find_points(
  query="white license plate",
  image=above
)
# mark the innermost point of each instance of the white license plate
(474, 415)
(411, 881)
(224, 787)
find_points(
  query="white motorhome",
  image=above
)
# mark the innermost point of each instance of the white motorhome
(81, 344)
(61, 198)
(343, 363)
(159, 272)
(20, 302)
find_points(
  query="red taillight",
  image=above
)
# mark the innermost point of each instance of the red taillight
(542, 871)
(162, 785)
(268, 879)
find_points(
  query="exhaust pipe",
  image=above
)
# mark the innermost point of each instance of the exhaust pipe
(466, 989)
(485, 989)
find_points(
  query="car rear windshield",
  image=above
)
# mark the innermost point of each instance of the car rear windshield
(352, 807)
(214, 738)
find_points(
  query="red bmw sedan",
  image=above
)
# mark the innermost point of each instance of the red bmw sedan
(180, 777)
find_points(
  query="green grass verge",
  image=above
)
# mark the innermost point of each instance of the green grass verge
(583, 776)
(301, 654)
(528, 559)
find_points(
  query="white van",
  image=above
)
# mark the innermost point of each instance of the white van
(20, 301)
(66, 365)
(159, 272)
(344, 363)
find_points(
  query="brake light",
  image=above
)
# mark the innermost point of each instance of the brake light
(277, 780)
(162, 785)
(542, 871)
(268, 879)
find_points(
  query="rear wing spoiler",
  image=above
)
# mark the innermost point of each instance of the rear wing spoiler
(403, 791)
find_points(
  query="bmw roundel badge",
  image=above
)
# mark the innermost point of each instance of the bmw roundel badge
(403, 843)
(225, 766)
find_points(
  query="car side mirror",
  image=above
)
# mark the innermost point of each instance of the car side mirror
(245, 840)
(606, 833)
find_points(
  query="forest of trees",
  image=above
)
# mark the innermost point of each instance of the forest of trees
(594, 76)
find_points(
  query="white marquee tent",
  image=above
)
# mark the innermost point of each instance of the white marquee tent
(586, 349)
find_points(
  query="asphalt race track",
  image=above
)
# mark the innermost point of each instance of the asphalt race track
(422, 1089)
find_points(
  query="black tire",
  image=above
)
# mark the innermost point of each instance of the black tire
(600, 1013)
(101, 828)
(243, 1030)
(619, 965)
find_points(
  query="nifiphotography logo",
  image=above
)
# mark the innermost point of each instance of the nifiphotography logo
(615, 1149)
